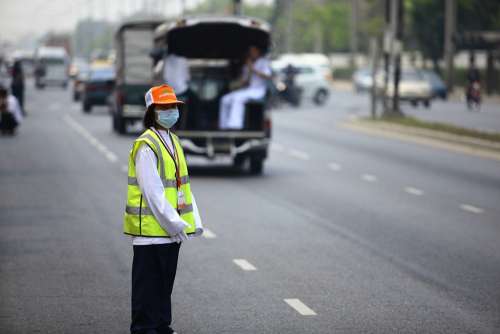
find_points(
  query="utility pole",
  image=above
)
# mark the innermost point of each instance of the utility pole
(450, 18)
(354, 32)
(375, 60)
(397, 20)
(387, 52)
(237, 8)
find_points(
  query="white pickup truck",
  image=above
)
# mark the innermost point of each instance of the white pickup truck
(214, 48)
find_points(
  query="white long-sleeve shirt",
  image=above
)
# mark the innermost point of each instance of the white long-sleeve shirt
(153, 191)
(14, 108)
(176, 73)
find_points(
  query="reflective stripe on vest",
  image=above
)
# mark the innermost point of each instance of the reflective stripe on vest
(167, 183)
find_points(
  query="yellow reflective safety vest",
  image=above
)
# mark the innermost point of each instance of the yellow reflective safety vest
(139, 219)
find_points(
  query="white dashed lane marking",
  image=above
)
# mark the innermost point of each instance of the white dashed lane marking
(471, 208)
(299, 306)
(334, 166)
(277, 147)
(299, 154)
(369, 178)
(244, 264)
(208, 234)
(414, 191)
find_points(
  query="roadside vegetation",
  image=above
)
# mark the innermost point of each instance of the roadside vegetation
(436, 126)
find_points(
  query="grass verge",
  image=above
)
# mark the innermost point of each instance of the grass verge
(442, 127)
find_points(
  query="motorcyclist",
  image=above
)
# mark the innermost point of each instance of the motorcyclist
(292, 93)
(473, 89)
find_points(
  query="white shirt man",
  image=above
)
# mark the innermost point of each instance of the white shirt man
(176, 73)
(232, 107)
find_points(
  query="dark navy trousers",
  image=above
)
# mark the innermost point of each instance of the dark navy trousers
(153, 274)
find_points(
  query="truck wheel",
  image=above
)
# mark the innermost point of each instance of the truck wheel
(87, 107)
(119, 124)
(238, 162)
(256, 166)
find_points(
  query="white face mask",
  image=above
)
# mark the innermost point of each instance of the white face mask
(167, 117)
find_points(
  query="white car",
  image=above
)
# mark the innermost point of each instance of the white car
(313, 74)
(413, 87)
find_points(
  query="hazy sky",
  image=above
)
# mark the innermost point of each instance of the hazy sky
(21, 18)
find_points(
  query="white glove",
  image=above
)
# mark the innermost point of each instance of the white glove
(175, 238)
(177, 227)
(182, 236)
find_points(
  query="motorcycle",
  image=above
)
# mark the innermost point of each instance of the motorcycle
(289, 93)
(473, 96)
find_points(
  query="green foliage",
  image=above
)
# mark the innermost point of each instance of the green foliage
(427, 18)
(427, 21)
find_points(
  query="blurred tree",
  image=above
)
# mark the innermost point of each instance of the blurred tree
(427, 22)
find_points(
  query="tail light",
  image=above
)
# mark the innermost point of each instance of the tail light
(120, 98)
(267, 124)
(90, 88)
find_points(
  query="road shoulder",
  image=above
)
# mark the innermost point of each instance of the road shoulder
(437, 139)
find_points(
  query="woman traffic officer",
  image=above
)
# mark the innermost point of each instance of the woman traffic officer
(160, 214)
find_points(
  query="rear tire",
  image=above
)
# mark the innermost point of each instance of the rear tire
(119, 124)
(87, 107)
(238, 162)
(320, 97)
(256, 166)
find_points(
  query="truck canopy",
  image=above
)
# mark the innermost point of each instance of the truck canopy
(214, 37)
(133, 43)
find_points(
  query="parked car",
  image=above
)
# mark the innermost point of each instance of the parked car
(97, 87)
(362, 80)
(413, 87)
(438, 87)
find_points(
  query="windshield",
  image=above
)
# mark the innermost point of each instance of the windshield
(52, 61)
(102, 74)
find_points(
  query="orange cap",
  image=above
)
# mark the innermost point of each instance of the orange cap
(163, 94)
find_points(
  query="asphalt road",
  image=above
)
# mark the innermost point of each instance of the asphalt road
(362, 234)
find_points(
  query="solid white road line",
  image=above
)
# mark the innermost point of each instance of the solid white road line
(125, 168)
(471, 208)
(208, 234)
(334, 166)
(414, 191)
(299, 306)
(299, 154)
(91, 139)
(244, 264)
(369, 178)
